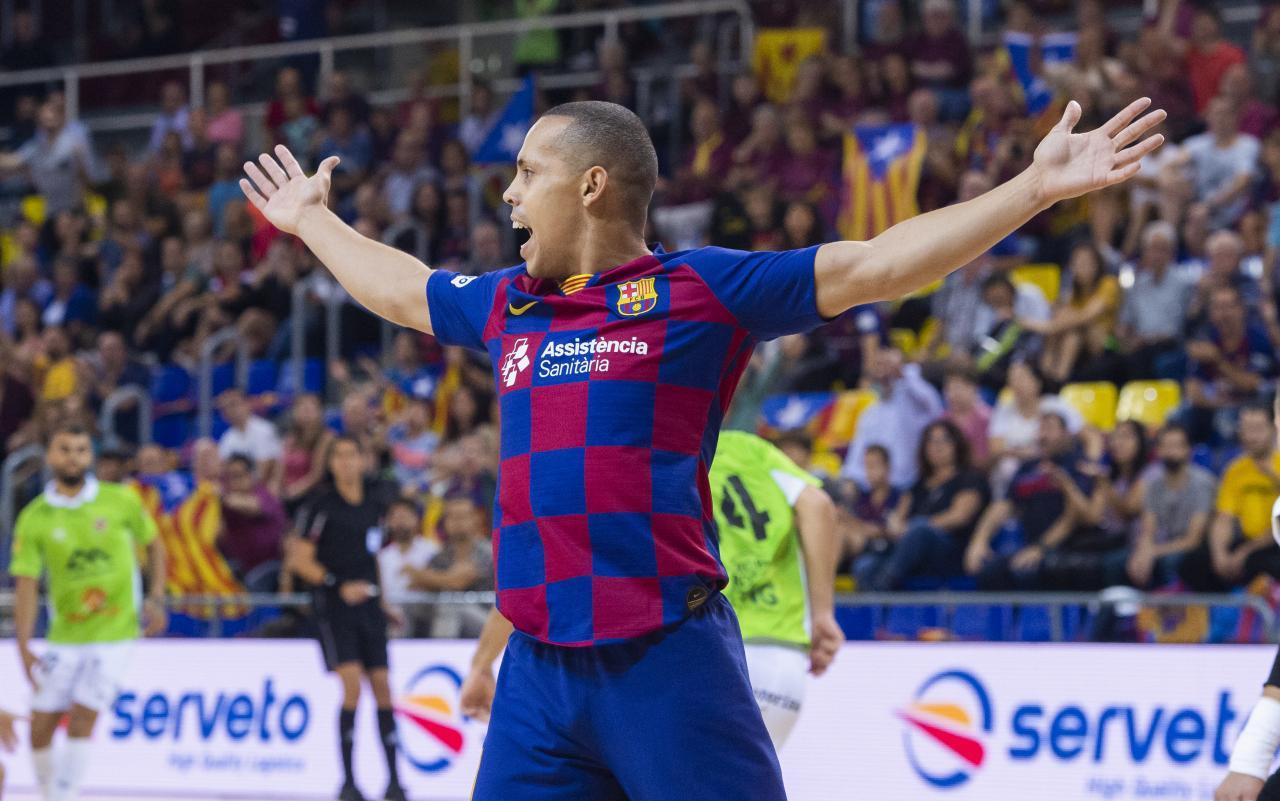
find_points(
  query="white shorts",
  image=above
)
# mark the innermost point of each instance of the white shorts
(779, 675)
(87, 675)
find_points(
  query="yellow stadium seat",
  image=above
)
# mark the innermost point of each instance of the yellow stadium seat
(825, 463)
(843, 422)
(34, 209)
(1095, 401)
(1149, 402)
(1047, 276)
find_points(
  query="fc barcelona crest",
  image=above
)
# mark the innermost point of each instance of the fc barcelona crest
(637, 297)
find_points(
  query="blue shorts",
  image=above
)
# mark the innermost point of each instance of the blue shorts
(667, 715)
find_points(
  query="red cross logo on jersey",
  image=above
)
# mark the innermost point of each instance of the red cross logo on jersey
(637, 297)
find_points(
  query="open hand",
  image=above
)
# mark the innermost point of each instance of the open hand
(1071, 164)
(1238, 787)
(281, 191)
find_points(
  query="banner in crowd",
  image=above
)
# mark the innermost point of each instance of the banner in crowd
(1029, 56)
(502, 143)
(889, 722)
(881, 169)
(778, 54)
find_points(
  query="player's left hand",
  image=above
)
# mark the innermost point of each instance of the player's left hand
(825, 643)
(1238, 787)
(155, 618)
(476, 696)
(1070, 164)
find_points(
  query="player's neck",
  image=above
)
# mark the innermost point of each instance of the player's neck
(67, 489)
(351, 491)
(606, 248)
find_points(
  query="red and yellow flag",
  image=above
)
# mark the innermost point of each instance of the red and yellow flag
(882, 165)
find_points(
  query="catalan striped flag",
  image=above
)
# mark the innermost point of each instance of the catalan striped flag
(882, 165)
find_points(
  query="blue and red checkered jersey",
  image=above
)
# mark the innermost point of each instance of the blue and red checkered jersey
(611, 391)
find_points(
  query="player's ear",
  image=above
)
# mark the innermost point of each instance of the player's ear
(594, 181)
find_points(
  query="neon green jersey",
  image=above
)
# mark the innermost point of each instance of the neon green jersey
(753, 489)
(88, 545)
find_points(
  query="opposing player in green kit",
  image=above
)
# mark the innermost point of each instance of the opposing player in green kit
(85, 535)
(778, 543)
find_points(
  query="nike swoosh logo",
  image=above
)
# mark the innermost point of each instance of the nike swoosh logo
(519, 310)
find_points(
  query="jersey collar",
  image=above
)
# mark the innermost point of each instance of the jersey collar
(538, 288)
(86, 494)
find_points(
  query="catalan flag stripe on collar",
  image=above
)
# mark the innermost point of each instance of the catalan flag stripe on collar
(574, 283)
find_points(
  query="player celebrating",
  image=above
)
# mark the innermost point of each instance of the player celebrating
(614, 366)
(770, 515)
(85, 535)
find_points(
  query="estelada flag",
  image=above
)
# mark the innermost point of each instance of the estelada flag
(881, 170)
(778, 54)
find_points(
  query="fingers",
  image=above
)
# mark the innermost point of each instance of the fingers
(265, 185)
(1135, 130)
(291, 165)
(255, 197)
(327, 166)
(273, 169)
(1134, 154)
(1116, 124)
(1070, 116)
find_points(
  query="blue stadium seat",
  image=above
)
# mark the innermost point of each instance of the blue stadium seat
(263, 377)
(224, 377)
(1224, 623)
(172, 430)
(986, 622)
(905, 622)
(1033, 624)
(858, 622)
(170, 383)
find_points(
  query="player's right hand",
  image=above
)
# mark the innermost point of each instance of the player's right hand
(1238, 787)
(29, 662)
(281, 191)
(477, 694)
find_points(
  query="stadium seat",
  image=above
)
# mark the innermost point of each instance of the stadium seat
(224, 377)
(1046, 276)
(906, 622)
(1148, 402)
(1033, 624)
(987, 622)
(1095, 401)
(263, 377)
(34, 209)
(858, 622)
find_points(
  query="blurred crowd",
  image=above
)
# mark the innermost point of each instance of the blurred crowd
(968, 467)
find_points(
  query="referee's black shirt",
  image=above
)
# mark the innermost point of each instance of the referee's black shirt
(346, 536)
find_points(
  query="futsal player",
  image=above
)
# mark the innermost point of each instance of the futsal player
(8, 740)
(776, 532)
(614, 365)
(336, 552)
(84, 534)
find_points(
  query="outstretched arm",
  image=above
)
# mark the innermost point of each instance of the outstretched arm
(816, 523)
(923, 249)
(387, 282)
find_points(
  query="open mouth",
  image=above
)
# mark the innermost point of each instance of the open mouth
(524, 236)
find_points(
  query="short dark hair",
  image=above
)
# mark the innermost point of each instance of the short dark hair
(1000, 280)
(242, 459)
(613, 137)
(881, 450)
(1173, 428)
(404, 503)
(1257, 408)
(70, 429)
(962, 372)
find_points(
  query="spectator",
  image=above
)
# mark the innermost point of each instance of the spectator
(26, 50)
(931, 526)
(1123, 488)
(480, 119)
(464, 563)
(907, 404)
(254, 520)
(1015, 423)
(808, 170)
(348, 140)
(764, 152)
(306, 441)
(1240, 545)
(16, 401)
(1231, 361)
(288, 88)
(406, 552)
(249, 435)
(21, 281)
(969, 413)
(109, 370)
(1209, 55)
(200, 158)
(1223, 161)
(1177, 505)
(61, 374)
(299, 126)
(1007, 338)
(407, 170)
(1045, 498)
(1257, 118)
(342, 96)
(1154, 313)
(1083, 323)
(173, 117)
(1224, 251)
(708, 158)
(486, 252)
(358, 419)
(59, 159)
(939, 57)
(225, 124)
(412, 443)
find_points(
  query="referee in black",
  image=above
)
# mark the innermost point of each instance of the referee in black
(339, 534)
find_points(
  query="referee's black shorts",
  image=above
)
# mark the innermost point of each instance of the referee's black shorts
(1271, 790)
(351, 633)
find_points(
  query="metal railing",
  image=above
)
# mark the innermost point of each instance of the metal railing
(112, 404)
(208, 350)
(463, 37)
(12, 466)
(946, 602)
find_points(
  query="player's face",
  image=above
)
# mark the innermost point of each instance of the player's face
(346, 462)
(70, 456)
(545, 199)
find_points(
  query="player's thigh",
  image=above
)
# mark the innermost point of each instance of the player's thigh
(779, 678)
(682, 721)
(55, 676)
(81, 720)
(533, 750)
(101, 674)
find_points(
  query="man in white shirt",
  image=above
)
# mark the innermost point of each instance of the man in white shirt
(406, 550)
(249, 435)
(907, 404)
(1223, 161)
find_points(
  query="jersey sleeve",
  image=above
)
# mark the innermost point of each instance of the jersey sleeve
(27, 557)
(459, 306)
(142, 527)
(771, 293)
